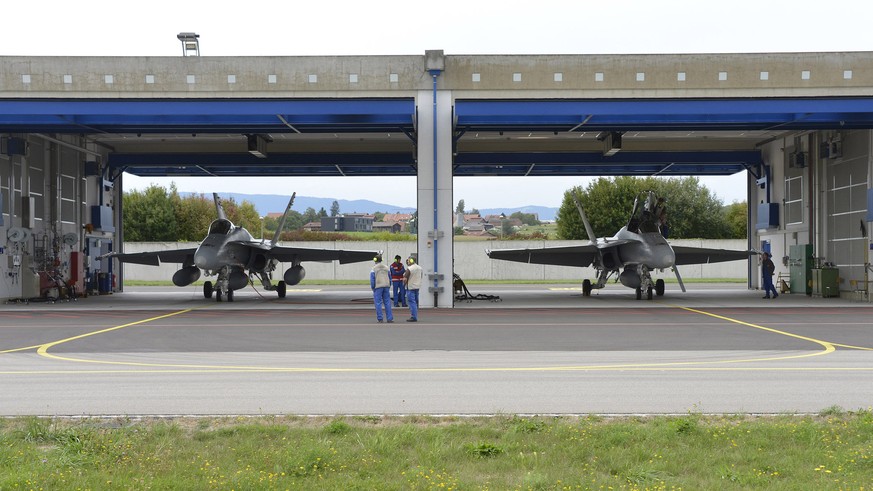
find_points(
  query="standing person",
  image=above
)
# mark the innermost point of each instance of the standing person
(413, 285)
(380, 283)
(397, 273)
(767, 270)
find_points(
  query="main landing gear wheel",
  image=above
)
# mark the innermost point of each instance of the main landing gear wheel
(649, 293)
(659, 287)
(207, 289)
(639, 293)
(230, 295)
(280, 289)
(217, 295)
(586, 288)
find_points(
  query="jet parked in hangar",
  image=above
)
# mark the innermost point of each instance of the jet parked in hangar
(631, 254)
(231, 253)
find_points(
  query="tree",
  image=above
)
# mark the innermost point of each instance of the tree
(460, 207)
(692, 210)
(194, 213)
(412, 225)
(506, 227)
(334, 208)
(737, 218)
(149, 215)
(310, 215)
(526, 218)
(378, 216)
(322, 213)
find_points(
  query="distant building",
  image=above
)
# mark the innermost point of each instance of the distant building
(397, 217)
(350, 222)
(393, 227)
(312, 227)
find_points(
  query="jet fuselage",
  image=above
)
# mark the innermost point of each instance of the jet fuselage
(224, 246)
(648, 248)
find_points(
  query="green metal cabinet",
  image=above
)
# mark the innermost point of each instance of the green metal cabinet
(826, 282)
(800, 268)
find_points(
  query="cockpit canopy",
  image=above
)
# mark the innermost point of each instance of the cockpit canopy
(221, 226)
(645, 217)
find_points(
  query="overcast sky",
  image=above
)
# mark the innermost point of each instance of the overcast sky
(339, 27)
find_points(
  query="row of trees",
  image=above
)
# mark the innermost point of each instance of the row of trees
(692, 210)
(158, 214)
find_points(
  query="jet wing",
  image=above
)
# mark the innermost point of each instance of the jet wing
(700, 255)
(155, 258)
(581, 255)
(288, 254)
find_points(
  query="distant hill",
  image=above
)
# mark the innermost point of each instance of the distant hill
(275, 203)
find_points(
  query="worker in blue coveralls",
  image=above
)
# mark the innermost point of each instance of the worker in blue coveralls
(379, 283)
(397, 288)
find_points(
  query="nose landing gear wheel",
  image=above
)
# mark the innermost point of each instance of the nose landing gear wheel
(586, 288)
(659, 287)
(207, 289)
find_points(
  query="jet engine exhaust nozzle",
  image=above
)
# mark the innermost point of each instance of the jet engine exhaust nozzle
(294, 275)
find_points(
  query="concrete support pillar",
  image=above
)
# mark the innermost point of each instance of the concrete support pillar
(434, 190)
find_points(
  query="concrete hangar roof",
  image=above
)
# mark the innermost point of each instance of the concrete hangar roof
(513, 115)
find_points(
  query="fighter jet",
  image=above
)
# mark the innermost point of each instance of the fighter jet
(631, 254)
(235, 257)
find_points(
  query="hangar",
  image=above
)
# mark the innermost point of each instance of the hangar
(799, 125)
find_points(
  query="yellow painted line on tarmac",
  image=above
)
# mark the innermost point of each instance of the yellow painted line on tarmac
(26, 348)
(829, 347)
(42, 350)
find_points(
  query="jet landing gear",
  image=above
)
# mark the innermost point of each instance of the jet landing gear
(586, 288)
(209, 289)
(658, 290)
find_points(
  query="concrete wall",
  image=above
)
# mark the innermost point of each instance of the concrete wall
(471, 263)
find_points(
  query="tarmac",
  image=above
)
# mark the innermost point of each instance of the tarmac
(525, 349)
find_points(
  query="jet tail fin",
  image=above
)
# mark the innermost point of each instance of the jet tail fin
(588, 229)
(282, 221)
(218, 208)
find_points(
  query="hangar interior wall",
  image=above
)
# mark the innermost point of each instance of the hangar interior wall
(46, 231)
(822, 202)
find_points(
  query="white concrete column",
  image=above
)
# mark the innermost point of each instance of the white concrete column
(434, 189)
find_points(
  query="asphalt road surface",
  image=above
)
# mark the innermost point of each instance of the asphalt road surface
(539, 349)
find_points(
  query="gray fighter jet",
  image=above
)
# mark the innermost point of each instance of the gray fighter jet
(234, 256)
(631, 254)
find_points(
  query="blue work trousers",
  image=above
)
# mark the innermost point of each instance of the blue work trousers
(399, 293)
(767, 281)
(412, 298)
(382, 297)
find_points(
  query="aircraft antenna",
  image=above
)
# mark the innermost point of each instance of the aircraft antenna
(282, 221)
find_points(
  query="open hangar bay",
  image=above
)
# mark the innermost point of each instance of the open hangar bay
(798, 124)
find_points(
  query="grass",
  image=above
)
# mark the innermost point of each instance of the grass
(833, 450)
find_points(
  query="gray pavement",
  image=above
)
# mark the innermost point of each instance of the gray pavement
(541, 349)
